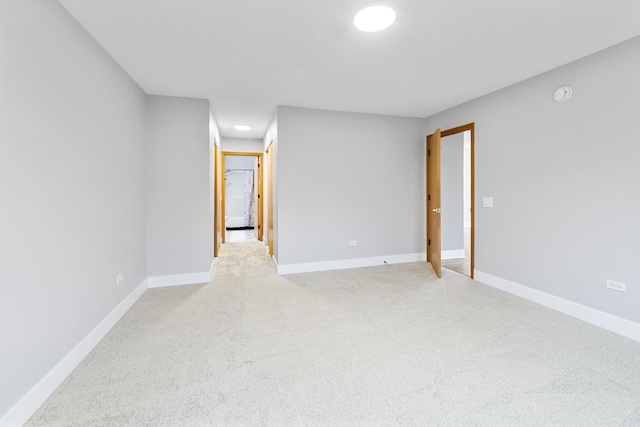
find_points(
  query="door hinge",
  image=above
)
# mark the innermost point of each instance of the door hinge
(258, 196)
(428, 152)
(428, 196)
(429, 242)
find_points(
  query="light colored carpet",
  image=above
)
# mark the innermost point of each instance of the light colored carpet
(387, 345)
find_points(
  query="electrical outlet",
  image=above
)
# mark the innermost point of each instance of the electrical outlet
(353, 242)
(119, 278)
(616, 286)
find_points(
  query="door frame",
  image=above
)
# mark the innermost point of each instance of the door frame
(269, 233)
(259, 213)
(217, 204)
(459, 129)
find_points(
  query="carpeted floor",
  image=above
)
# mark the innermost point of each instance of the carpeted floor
(387, 345)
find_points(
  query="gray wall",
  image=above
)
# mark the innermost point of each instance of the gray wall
(179, 226)
(72, 211)
(346, 176)
(452, 192)
(565, 180)
(242, 145)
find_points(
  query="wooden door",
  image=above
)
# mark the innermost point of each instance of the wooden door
(217, 204)
(270, 197)
(434, 255)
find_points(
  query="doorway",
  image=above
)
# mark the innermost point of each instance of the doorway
(455, 194)
(450, 183)
(241, 210)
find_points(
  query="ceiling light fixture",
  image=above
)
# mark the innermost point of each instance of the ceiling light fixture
(242, 127)
(374, 18)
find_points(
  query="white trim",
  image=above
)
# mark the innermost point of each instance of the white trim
(348, 263)
(212, 270)
(274, 262)
(599, 318)
(179, 279)
(30, 402)
(453, 254)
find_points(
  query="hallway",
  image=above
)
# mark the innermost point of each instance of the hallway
(386, 345)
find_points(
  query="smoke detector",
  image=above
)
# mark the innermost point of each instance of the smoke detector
(562, 94)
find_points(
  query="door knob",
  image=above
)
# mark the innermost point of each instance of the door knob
(437, 210)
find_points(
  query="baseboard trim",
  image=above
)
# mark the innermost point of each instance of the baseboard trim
(212, 270)
(599, 318)
(30, 402)
(453, 254)
(180, 279)
(348, 263)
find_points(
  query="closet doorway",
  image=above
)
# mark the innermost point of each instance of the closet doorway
(241, 197)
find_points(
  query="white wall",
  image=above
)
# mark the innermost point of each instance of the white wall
(242, 145)
(452, 192)
(239, 162)
(466, 176)
(179, 225)
(346, 176)
(234, 183)
(565, 180)
(214, 139)
(72, 189)
(271, 137)
(234, 194)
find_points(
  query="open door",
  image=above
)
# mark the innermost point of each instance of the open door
(271, 198)
(434, 255)
(217, 204)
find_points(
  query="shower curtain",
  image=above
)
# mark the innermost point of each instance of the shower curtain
(249, 199)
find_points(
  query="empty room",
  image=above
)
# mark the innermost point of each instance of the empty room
(241, 213)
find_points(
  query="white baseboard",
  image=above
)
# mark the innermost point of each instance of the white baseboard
(212, 270)
(453, 254)
(29, 404)
(599, 318)
(348, 263)
(180, 279)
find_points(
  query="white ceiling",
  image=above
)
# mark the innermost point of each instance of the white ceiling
(247, 56)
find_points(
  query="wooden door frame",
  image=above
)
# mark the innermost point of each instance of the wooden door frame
(259, 213)
(468, 127)
(217, 211)
(269, 233)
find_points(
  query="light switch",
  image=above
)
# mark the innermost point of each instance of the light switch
(487, 202)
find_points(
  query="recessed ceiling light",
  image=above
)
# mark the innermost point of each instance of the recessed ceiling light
(242, 127)
(374, 18)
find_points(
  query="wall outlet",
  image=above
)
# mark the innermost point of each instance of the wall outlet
(616, 286)
(119, 278)
(352, 243)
